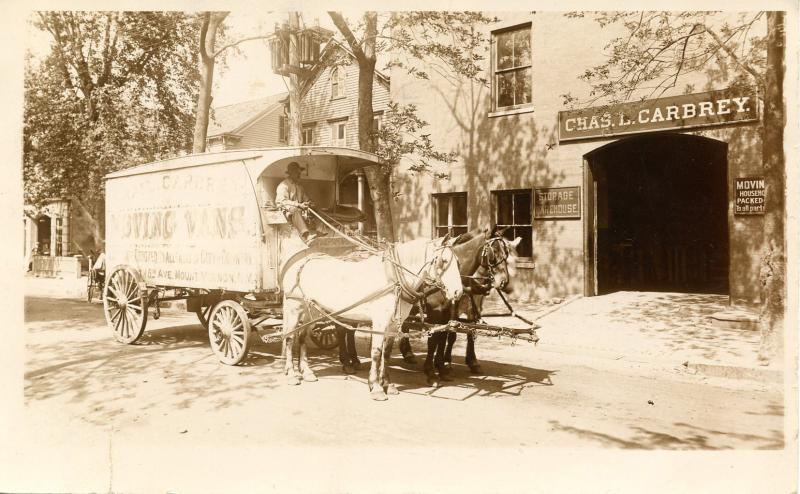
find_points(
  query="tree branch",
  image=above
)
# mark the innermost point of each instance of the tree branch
(239, 42)
(735, 57)
(343, 28)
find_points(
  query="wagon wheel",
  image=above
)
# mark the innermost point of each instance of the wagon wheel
(324, 338)
(229, 332)
(125, 304)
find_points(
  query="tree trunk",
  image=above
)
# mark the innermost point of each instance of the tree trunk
(378, 177)
(208, 37)
(773, 264)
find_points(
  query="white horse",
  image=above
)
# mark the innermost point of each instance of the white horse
(379, 290)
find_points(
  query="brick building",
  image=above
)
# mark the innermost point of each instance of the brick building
(661, 194)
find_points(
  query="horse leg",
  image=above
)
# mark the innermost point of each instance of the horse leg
(353, 353)
(386, 383)
(305, 368)
(433, 341)
(376, 355)
(447, 359)
(344, 354)
(471, 359)
(405, 349)
(291, 316)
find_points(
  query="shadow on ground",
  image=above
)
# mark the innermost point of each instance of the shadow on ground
(75, 363)
(688, 437)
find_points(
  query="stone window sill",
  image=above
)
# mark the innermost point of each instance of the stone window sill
(515, 111)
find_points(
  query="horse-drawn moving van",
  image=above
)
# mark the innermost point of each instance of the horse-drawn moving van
(211, 229)
(205, 228)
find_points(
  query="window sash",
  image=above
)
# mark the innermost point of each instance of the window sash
(339, 133)
(337, 83)
(519, 92)
(283, 128)
(446, 212)
(307, 136)
(519, 210)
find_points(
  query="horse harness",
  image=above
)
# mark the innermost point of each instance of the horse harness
(400, 285)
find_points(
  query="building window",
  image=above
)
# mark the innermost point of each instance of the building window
(308, 136)
(450, 214)
(337, 82)
(512, 210)
(511, 64)
(283, 128)
(339, 133)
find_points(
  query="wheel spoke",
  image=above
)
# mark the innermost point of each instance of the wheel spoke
(118, 323)
(126, 324)
(130, 287)
(118, 312)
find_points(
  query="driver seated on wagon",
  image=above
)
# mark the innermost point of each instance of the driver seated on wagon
(292, 200)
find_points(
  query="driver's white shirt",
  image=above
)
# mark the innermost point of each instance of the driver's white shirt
(289, 190)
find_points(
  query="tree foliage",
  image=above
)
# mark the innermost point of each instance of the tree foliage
(447, 42)
(400, 136)
(114, 90)
(659, 50)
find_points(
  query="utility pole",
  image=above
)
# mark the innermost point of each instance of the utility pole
(295, 116)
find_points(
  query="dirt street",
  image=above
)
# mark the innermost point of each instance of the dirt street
(169, 389)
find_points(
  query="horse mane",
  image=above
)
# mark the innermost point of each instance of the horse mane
(468, 251)
(412, 254)
(466, 237)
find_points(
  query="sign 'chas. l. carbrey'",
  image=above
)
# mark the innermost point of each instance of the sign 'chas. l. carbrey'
(679, 112)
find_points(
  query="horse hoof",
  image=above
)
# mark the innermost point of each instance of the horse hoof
(356, 364)
(445, 377)
(309, 377)
(348, 369)
(476, 369)
(409, 358)
(292, 380)
(392, 390)
(378, 395)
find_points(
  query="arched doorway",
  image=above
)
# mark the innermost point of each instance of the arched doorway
(657, 215)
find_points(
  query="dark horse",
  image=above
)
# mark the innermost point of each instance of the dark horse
(486, 261)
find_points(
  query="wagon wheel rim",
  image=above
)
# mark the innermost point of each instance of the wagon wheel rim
(324, 339)
(125, 305)
(229, 332)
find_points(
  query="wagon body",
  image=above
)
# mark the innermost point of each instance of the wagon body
(206, 221)
(204, 228)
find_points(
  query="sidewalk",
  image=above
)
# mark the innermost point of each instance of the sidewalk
(671, 329)
(55, 287)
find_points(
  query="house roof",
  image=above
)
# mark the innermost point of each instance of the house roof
(231, 119)
(329, 52)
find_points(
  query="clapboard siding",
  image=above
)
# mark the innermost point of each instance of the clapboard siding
(264, 132)
(320, 110)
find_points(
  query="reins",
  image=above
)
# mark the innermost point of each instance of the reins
(391, 258)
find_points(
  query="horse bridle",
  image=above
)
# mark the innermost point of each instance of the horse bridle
(490, 261)
(433, 284)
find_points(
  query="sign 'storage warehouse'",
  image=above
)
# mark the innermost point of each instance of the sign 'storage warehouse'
(561, 202)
